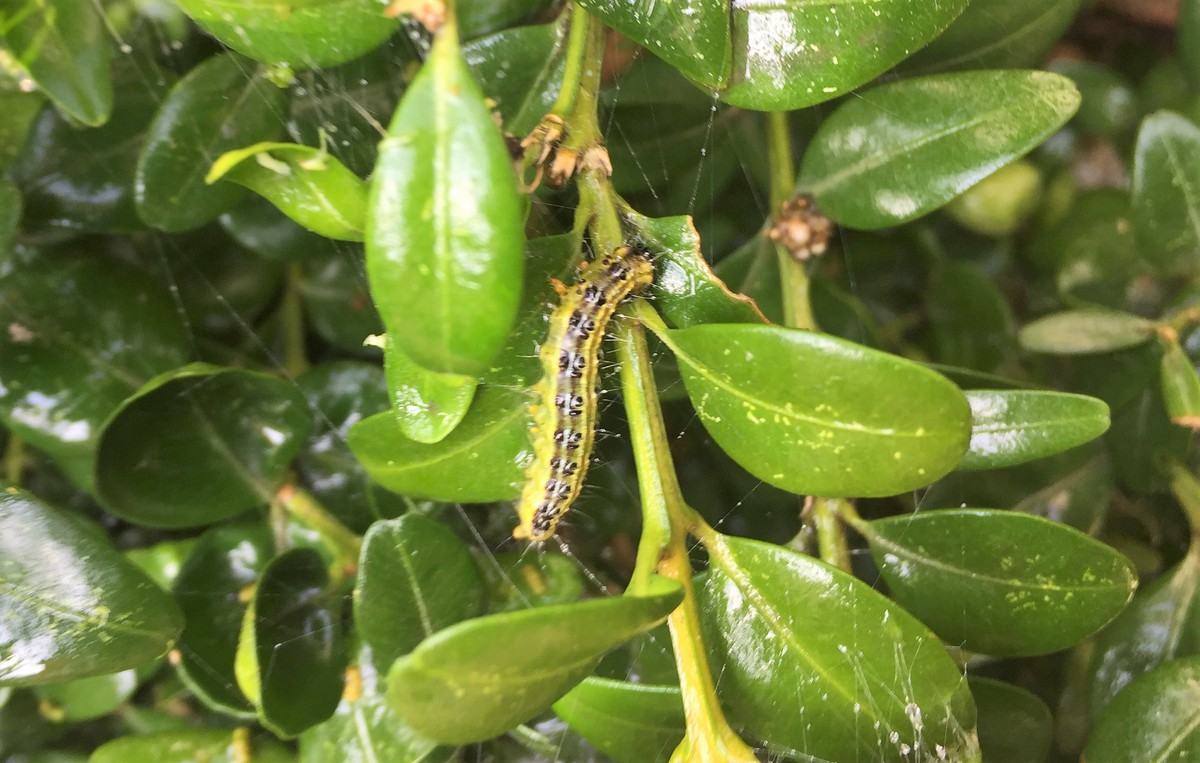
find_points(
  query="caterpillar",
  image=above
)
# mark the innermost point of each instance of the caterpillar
(565, 419)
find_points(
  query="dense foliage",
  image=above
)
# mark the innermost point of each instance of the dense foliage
(884, 451)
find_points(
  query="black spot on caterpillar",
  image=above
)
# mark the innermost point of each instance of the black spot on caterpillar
(565, 418)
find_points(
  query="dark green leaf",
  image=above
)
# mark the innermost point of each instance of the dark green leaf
(1079, 499)
(64, 46)
(692, 36)
(1166, 192)
(1109, 106)
(519, 581)
(864, 424)
(1189, 38)
(198, 445)
(225, 561)
(1084, 332)
(1026, 586)
(794, 53)
(337, 301)
(907, 148)
(292, 653)
(414, 579)
(1014, 725)
(1011, 427)
(520, 69)
(20, 110)
(445, 224)
(191, 746)
(70, 605)
(1142, 439)
(482, 460)
(972, 324)
(64, 371)
(258, 225)
(1097, 254)
(428, 404)
(310, 186)
(302, 35)
(628, 722)
(366, 731)
(223, 104)
(476, 17)
(162, 561)
(1004, 35)
(87, 698)
(1180, 386)
(480, 678)
(1155, 718)
(10, 214)
(798, 668)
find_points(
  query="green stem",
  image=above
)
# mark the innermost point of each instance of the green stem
(14, 460)
(295, 357)
(575, 63)
(346, 544)
(831, 534)
(667, 520)
(793, 277)
(583, 121)
(596, 202)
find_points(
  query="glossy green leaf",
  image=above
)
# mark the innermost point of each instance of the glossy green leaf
(520, 70)
(1011, 427)
(445, 223)
(1014, 725)
(199, 445)
(1166, 192)
(366, 731)
(224, 562)
(292, 641)
(1143, 439)
(482, 460)
(480, 678)
(477, 17)
(310, 186)
(64, 46)
(87, 698)
(1079, 499)
(337, 301)
(1025, 586)
(1005, 35)
(1180, 386)
(1099, 262)
(162, 561)
(906, 148)
(70, 605)
(794, 53)
(686, 291)
(813, 659)
(1000, 203)
(519, 581)
(259, 226)
(302, 35)
(82, 179)
(64, 371)
(428, 404)
(190, 746)
(415, 578)
(972, 323)
(628, 722)
(1155, 718)
(691, 35)
(1084, 332)
(340, 394)
(223, 104)
(863, 424)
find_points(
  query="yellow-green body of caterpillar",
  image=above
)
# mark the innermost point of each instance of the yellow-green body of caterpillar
(565, 418)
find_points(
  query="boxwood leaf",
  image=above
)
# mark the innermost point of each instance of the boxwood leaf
(1026, 586)
(198, 445)
(480, 678)
(367, 731)
(70, 605)
(1011, 427)
(1014, 725)
(830, 691)
(310, 186)
(428, 404)
(190, 746)
(520, 69)
(64, 371)
(337, 301)
(291, 648)
(302, 35)
(692, 36)
(794, 53)
(87, 698)
(1180, 386)
(628, 722)
(857, 407)
(906, 148)
(445, 223)
(64, 46)
(1085, 332)
(482, 460)
(415, 578)
(223, 104)
(971, 322)
(1156, 717)
(1166, 192)
(224, 562)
